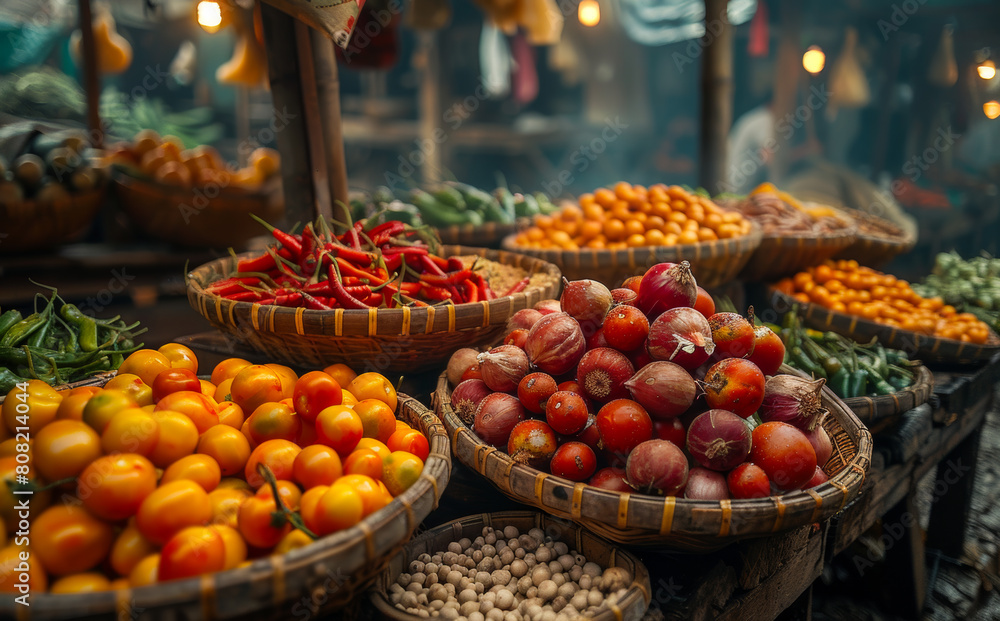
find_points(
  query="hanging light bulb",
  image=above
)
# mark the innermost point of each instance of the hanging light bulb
(987, 69)
(589, 13)
(814, 59)
(209, 15)
(991, 109)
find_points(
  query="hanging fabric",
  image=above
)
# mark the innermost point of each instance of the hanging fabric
(659, 22)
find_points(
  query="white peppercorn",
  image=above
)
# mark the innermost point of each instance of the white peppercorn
(455, 547)
(547, 590)
(415, 587)
(424, 558)
(575, 573)
(510, 532)
(594, 598)
(449, 614)
(431, 579)
(478, 542)
(485, 564)
(522, 585)
(579, 601)
(559, 578)
(477, 555)
(532, 592)
(540, 574)
(436, 605)
(560, 548)
(567, 590)
(500, 576)
(559, 603)
(468, 608)
(505, 600)
(537, 533)
(454, 578)
(592, 569)
(490, 538)
(548, 615)
(403, 580)
(543, 554)
(518, 568)
(506, 556)
(476, 616)
(409, 599)
(585, 582)
(566, 561)
(528, 542)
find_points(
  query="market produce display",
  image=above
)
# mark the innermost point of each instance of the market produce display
(846, 287)
(59, 344)
(164, 159)
(851, 369)
(368, 265)
(510, 570)
(630, 216)
(971, 286)
(49, 168)
(779, 213)
(166, 476)
(652, 396)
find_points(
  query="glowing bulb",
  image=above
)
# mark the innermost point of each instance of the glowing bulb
(991, 109)
(589, 12)
(209, 15)
(987, 70)
(814, 59)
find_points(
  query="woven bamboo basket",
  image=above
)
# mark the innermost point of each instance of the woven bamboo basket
(632, 607)
(780, 256)
(204, 217)
(393, 340)
(34, 225)
(694, 525)
(872, 250)
(323, 576)
(881, 411)
(917, 346)
(713, 263)
(488, 235)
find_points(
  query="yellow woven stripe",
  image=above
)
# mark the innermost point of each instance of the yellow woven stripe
(854, 322)
(451, 318)
(207, 596)
(372, 321)
(961, 346)
(486, 313)
(819, 504)
(577, 499)
(270, 317)
(727, 517)
(253, 315)
(278, 578)
(411, 519)
(405, 329)
(299, 328)
(631, 258)
(218, 309)
(432, 481)
(539, 483)
(937, 343)
(842, 488)
(623, 509)
(232, 313)
(780, 514)
(123, 603)
(338, 322)
(892, 336)
(667, 521)
(617, 612)
(430, 319)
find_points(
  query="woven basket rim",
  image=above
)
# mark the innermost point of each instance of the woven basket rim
(191, 590)
(846, 482)
(746, 243)
(640, 587)
(818, 316)
(920, 389)
(361, 319)
(76, 199)
(129, 178)
(908, 237)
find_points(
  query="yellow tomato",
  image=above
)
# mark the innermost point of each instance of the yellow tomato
(373, 386)
(32, 408)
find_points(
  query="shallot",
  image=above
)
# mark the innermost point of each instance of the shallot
(459, 363)
(718, 440)
(467, 396)
(794, 400)
(657, 466)
(705, 484)
(496, 417)
(503, 367)
(555, 344)
(602, 373)
(665, 389)
(681, 335)
(665, 286)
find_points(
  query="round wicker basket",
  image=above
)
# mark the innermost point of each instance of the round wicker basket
(695, 525)
(632, 607)
(33, 225)
(925, 347)
(207, 217)
(488, 235)
(323, 576)
(713, 263)
(881, 411)
(781, 256)
(404, 339)
(872, 250)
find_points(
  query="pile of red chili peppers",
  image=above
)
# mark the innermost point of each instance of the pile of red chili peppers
(364, 267)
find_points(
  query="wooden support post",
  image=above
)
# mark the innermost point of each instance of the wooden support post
(716, 95)
(905, 558)
(430, 105)
(786, 79)
(305, 91)
(91, 76)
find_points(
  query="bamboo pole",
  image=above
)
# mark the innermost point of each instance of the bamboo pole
(327, 81)
(91, 77)
(716, 95)
(786, 80)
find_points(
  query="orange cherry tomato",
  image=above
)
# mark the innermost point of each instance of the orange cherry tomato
(201, 469)
(340, 428)
(230, 414)
(374, 386)
(278, 455)
(88, 582)
(207, 388)
(103, 406)
(379, 448)
(236, 547)
(289, 493)
(411, 441)
(256, 525)
(338, 508)
(71, 407)
(113, 487)
(192, 551)
(146, 363)
(133, 386)
(372, 498)
(308, 505)
(63, 448)
(171, 508)
(364, 461)
(67, 539)
(145, 572)
(196, 406)
(317, 465)
(288, 378)
(293, 540)
(180, 356)
(226, 504)
(377, 418)
(228, 369)
(178, 437)
(222, 392)
(255, 385)
(341, 372)
(15, 561)
(400, 471)
(274, 421)
(227, 446)
(314, 392)
(129, 548)
(131, 431)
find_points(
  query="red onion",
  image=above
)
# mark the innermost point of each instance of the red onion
(523, 320)
(467, 396)
(821, 443)
(718, 440)
(705, 484)
(496, 417)
(555, 344)
(794, 400)
(665, 389)
(503, 367)
(681, 335)
(657, 466)
(587, 301)
(610, 479)
(459, 363)
(547, 307)
(819, 477)
(532, 443)
(602, 374)
(665, 286)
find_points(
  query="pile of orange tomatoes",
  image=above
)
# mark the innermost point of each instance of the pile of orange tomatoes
(160, 475)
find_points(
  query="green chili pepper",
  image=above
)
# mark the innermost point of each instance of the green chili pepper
(840, 383)
(22, 330)
(8, 319)
(857, 385)
(898, 382)
(879, 384)
(86, 326)
(882, 365)
(802, 362)
(8, 379)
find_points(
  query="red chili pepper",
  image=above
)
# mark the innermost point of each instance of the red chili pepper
(337, 288)
(246, 296)
(431, 266)
(373, 277)
(286, 254)
(315, 303)
(436, 293)
(518, 287)
(389, 251)
(263, 263)
(383, 233)
(470, 290)
(454, 264)
(448, 279)
(359, 291)
(357, 256)
(394, 262)
(411, 288)
(441, 262)
(292, 300)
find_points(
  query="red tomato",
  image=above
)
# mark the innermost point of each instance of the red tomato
(625, 328)
(768, 350)
(574, 461)
(748, 481)
(114, 486)
(784, 453)
(278, 455)
(193, 551)
(314, 392)
(623, 425)
(274, 421)
(174, 380)
(411, 441)
(671, 429)
(256, 525)
(704, 303)
(318, 465)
